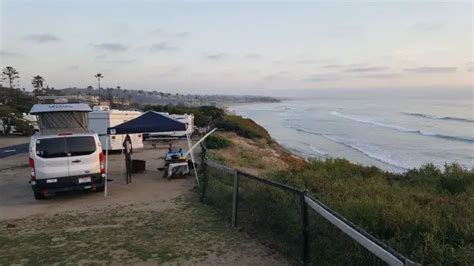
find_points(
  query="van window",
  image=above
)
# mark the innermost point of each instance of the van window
(51, 148)
(78, 146)
(62, 147)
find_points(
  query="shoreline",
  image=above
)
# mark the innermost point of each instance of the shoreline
(366, 158)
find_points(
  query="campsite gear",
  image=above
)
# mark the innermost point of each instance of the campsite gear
(138, 166)
(150, 122)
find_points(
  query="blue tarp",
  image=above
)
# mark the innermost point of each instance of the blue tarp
(149, 122)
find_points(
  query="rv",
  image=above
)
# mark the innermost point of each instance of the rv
(186, 119)
(102, 118)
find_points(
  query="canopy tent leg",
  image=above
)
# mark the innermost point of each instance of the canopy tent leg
(106, 164)
(192, 156)
(121, 161)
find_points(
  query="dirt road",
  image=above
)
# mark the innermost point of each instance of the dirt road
(151, 221)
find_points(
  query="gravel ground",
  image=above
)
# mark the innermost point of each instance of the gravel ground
(150, 221)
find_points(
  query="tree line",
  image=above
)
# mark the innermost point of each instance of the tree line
(14, 102)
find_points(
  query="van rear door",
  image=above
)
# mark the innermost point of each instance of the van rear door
(83, 155)
(51, 158)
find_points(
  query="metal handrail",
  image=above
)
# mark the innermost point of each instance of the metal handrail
(375, 246)
(372, 244)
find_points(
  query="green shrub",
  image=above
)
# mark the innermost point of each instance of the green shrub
(23, 126)
(455, 179)
(217, 142)
(243, 127)
(203, 115)
(425, 214)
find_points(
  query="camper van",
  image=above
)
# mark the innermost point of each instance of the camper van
(65, 162)
(64, 155)
(102, 118)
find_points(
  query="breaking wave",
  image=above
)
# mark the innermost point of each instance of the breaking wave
(438, 117)
(402, 129)
(318, 152)
(366, 152)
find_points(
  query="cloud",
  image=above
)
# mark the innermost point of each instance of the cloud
(427, 27)
(74, 67)
(277, 76)
(41, 38)
(162, 46)
(5, 53)
(381, 76)
(110, 47)
(366, 69)
(314, 61)
(105, 59)
(121, 61)
(215, 56)
(321, 77)
(183, 34)
(157, 31)
(252, 56)
(431, 69)
(333, 66)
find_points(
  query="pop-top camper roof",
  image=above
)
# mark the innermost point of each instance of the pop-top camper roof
(63, 107)
(66, 117)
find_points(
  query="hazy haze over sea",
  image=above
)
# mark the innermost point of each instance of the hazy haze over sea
(392, 131)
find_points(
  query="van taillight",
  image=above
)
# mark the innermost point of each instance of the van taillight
(32, 167)
(102, 162)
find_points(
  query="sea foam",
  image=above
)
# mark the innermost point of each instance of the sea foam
(438, 117)
(402, 129)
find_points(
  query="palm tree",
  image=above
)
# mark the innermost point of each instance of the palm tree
(99, 76)
(10, 74)
(38, 82)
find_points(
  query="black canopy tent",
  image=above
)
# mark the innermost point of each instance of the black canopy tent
(148, 122)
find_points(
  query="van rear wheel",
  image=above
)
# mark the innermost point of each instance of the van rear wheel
(39, 196)
(99, 188)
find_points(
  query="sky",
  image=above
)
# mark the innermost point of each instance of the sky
(249, 47)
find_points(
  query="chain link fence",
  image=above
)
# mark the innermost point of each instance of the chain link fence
(290, 220)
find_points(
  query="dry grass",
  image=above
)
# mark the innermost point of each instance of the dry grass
(255, 156)
(190, 233)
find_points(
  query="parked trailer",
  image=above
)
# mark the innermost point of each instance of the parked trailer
(102, 118)
(188, 119)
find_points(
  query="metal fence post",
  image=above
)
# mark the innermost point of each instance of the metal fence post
(235, 199)
(205, 176)
(304, 230)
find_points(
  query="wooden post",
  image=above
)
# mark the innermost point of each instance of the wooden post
(235, 199)
(304, 231)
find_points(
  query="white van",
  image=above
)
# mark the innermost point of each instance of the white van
(66, 162)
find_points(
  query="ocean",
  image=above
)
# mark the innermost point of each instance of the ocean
(392, 133)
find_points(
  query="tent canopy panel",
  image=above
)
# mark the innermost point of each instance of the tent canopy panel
(149, 122)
